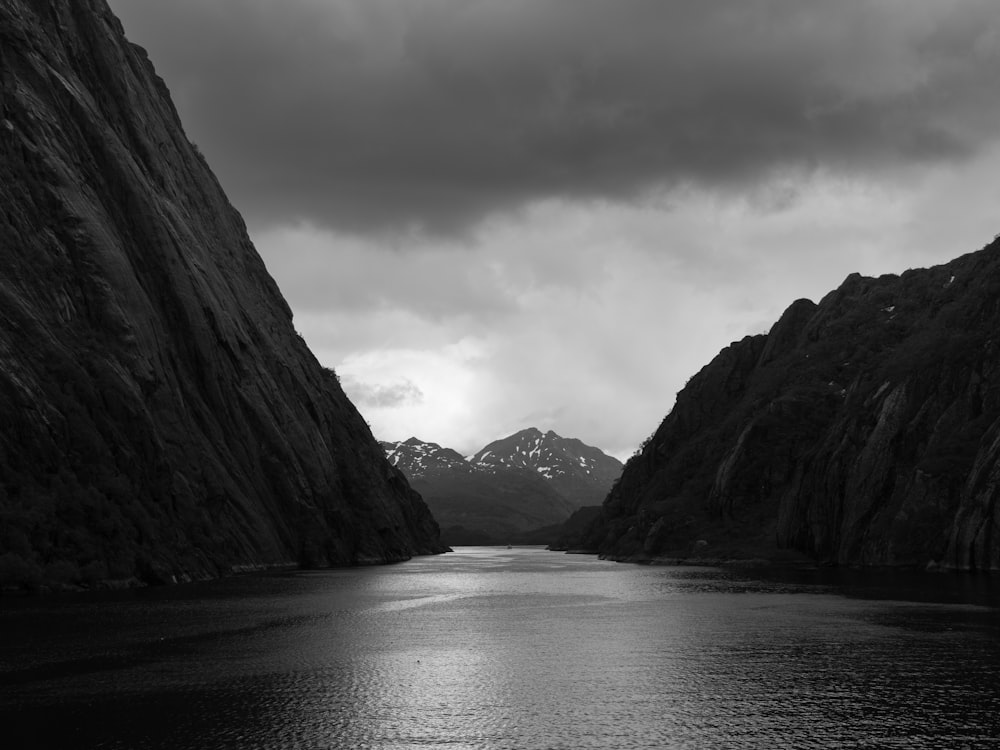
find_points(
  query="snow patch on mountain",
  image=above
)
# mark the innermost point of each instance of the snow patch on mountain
(580, 472)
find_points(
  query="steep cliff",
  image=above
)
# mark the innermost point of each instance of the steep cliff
(160, 416)
(864, 430)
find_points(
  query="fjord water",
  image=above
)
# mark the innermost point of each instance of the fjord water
(522, 648)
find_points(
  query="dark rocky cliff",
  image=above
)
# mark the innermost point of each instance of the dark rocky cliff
(864, 430)
(160, 416)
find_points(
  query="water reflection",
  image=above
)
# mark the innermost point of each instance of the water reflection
(489, 648)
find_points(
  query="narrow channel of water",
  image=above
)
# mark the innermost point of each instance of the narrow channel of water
(522, 648)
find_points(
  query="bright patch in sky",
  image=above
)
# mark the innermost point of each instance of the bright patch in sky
(582, 318)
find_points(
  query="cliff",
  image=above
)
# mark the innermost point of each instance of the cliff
(864, 430)
(161, 417)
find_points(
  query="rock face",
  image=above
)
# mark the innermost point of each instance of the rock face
(517, 489)
(161, 417)
(864, 430)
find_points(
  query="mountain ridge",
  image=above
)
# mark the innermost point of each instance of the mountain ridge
(508, 489)
(862, 430)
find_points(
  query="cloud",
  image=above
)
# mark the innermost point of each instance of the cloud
(389, 115)
(320, 267)
(495, 214)
(378, 396)
(608, 309)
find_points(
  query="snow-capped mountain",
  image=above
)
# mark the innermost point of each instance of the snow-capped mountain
(581, 473)
(512, 486)
(417, 459)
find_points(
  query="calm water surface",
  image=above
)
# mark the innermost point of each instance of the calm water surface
(522, 648)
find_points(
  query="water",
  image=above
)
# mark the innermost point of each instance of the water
(522, 648)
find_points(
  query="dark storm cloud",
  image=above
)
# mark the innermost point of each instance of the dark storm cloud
(364, 114)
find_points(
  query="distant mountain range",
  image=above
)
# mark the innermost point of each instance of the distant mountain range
(515, 489)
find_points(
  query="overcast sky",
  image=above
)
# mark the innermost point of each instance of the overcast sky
(495, 214)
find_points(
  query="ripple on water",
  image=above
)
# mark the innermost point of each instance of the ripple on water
(510, 650)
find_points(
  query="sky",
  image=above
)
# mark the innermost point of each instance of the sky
(489, 215)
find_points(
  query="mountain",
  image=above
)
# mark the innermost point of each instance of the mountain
(863, 430)
(579, 472)
(162, 419)
(420, 460)
(517, 489)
